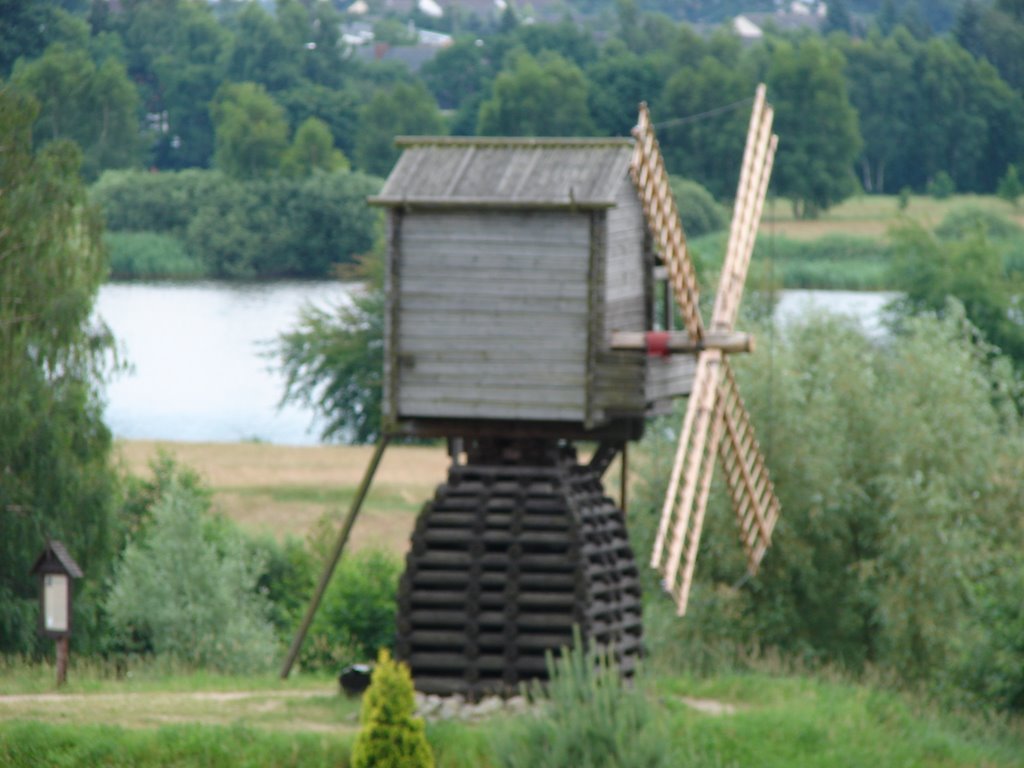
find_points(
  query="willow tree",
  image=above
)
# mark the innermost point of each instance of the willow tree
(55, 474)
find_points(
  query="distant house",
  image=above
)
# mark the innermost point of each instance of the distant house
(797, 15)
(412, 56)
(746, 29)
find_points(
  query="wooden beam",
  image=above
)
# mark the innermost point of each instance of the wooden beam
(332, 561)
(676, 342)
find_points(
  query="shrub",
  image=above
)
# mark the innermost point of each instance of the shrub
(967, 220)
(1010, 188)
(904, 198)
(698, 211)
(391, 736)
(588, 716)
(899, 544)
(187, 590)
(141, 201)
(357, 615)
(135, 255)
(271, 227)
(941, 186)
(288, 577)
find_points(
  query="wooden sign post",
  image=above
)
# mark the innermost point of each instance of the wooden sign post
(56, 568)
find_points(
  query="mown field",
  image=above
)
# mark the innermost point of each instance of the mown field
(286, 490)
(872, 215)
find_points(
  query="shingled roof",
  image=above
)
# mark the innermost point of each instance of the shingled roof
(476, 172)
(56, 559)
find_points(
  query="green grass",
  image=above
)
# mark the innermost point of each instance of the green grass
(780, 722)
(150, 255)
(773, 720)
(812, 722)
(846, 249)
(383, 498)
(834, 261)
(36, 745)
(18, 676)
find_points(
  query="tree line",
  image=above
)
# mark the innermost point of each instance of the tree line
(879, 103)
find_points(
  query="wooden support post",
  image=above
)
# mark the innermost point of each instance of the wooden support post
(62, 660)
(622, 479)
(332, 561)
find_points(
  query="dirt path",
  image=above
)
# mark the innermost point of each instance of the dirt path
(309, 709)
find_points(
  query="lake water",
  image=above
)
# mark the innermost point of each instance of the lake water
(199, 355)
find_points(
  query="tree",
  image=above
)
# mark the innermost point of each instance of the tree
(882, 90)
(402, 109)
(186, 590)
(262, 53)
(186, 71)
(333, 361)
(337, 108)
(708, 151)
(391, 735)
(456, 73)
(967, 267)
(838, 18)
(994, 33)
(96, 107)
(817, 126)
(251, 131)
(543, 96)
(618, 82)
(980, 130)
(312, 149)
(55, 451)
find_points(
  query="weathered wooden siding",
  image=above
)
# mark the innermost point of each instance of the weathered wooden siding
(492, 315)
(669, 377)
(619, 376)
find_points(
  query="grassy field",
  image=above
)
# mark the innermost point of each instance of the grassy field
(872, 215)
(752, 719)
(158, 716)
(285, 490)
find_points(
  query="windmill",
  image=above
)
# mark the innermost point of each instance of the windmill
(521, 279)
(716, 419)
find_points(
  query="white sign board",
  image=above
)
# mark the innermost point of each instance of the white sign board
(55, 602)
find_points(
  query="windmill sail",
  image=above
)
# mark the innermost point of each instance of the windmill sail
(716, 420)
(659, 205)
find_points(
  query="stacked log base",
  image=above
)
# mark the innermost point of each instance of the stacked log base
(504, 562)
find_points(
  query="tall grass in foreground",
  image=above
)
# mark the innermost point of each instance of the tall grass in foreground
(38, 745)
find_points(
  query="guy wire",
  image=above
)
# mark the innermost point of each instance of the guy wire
(701, 115)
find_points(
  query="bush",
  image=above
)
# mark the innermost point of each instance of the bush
(141, 201)
(186, 590)
(698, 211)
(967, 220)
(288, 578)
(357, 615)
(273, 227)
(587, 716)
(899, 544)
(1010, 188)
(941, 186)
(391, 737)
(140, 255)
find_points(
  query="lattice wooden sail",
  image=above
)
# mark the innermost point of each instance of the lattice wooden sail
(716, 420)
